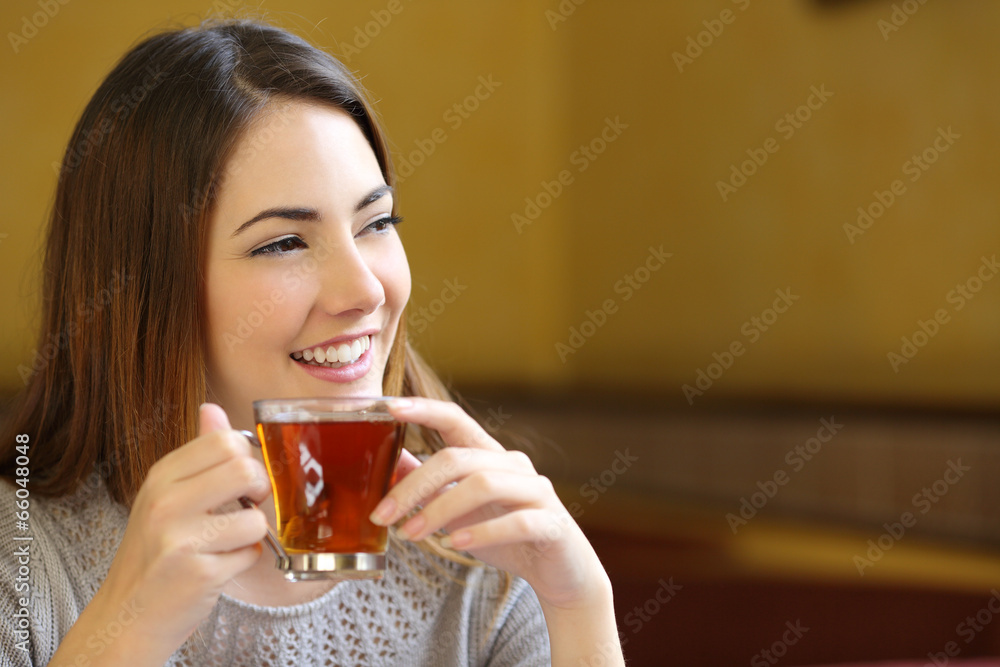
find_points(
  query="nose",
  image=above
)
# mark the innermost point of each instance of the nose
(347, 282)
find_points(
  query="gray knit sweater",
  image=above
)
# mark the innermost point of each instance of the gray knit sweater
(425, 611)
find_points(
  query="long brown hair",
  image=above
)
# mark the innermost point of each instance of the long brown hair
(120, 367)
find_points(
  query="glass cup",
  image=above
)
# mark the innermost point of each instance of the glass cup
(330, 462)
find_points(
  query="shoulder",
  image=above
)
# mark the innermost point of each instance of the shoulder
(86, 522)
(54, 552)
(81, 530)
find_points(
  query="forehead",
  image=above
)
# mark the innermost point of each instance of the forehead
(299, 153)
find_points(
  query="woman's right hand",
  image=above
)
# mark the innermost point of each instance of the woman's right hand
(176, 554)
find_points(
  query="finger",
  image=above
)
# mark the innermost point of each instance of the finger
(216, 444)
(538, 529)
(218, 568)
(239, 476)
(407, 463)
(221, 533)
(506, 490)
(456, 427)
(444, 467)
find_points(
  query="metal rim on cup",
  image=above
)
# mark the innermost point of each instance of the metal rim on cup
(305, 566)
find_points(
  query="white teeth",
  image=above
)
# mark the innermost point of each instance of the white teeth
(335, 356)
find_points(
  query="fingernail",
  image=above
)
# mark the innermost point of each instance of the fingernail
(401, 403)
(412, 527)
(382, 514)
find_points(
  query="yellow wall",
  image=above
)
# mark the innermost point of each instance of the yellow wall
(654, 185)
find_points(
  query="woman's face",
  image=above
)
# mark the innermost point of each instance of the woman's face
(306, 276)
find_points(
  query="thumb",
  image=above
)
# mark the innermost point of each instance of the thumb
(212, 417)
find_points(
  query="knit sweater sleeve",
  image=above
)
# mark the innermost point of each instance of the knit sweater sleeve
(41, 591)
(26, 619)
(522, 638)
(15, 592)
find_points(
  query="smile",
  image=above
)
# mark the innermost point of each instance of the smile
(334, 356)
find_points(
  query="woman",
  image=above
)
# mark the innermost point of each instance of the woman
(227, 194)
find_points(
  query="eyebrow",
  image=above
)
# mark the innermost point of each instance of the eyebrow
(310, 214)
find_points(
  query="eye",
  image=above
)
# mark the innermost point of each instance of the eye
(279, 247)
(382, 224)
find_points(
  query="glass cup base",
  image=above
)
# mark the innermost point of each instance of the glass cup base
(315, 566)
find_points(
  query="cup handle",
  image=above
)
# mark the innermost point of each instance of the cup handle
(269, 539)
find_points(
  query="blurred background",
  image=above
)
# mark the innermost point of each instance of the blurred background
(725, 268)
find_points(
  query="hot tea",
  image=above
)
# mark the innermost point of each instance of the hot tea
(327, 477)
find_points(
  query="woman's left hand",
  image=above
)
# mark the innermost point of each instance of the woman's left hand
(493, 504)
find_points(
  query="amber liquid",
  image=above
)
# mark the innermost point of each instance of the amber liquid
(327, 477)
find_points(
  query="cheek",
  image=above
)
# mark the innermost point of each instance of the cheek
(247, 312)
(221, 316)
